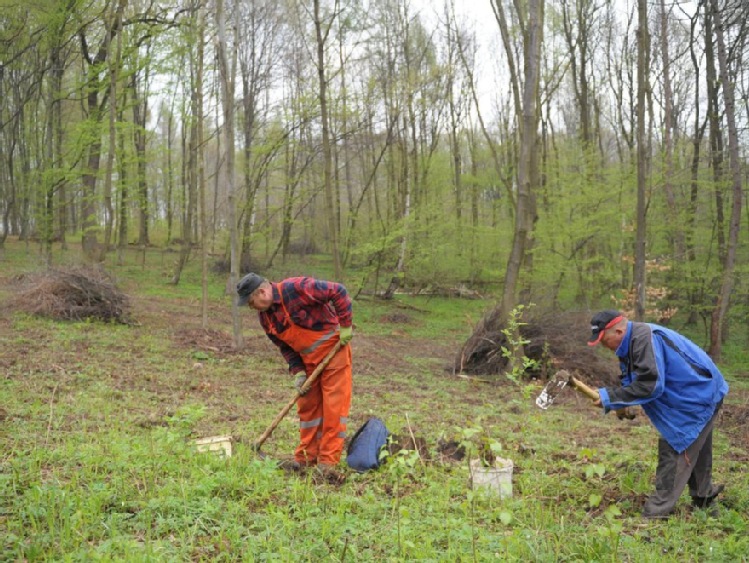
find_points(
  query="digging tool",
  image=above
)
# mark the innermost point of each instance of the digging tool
(563, 378)
(307, 384)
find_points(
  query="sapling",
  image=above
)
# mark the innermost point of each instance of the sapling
(517, 362)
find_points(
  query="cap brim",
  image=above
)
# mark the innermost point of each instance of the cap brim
(597, 339)
(242, 300)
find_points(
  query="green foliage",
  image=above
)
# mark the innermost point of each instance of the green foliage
(518, 363)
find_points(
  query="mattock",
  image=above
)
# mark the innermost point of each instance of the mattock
(563, 378)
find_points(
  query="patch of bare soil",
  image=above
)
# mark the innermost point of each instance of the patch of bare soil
(396, 318)
(205, 339)
(735, 422)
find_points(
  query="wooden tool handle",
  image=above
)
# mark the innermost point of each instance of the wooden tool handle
(584, 389)
(623, 413)
(307, 384)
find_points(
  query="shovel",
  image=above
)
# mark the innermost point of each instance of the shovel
(563, 378)
(305, 386)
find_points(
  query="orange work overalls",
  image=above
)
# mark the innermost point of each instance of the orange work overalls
(324, 409)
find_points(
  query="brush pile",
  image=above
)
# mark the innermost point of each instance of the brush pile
(554, 340)
(72, 294)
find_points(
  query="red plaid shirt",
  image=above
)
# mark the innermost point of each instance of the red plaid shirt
(312, 304)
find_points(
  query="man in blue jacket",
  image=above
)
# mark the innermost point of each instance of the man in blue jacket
(680, 389)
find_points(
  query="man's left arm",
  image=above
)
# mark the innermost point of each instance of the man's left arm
(333, 293)
(341, 302)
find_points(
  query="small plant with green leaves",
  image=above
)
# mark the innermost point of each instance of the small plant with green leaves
(517, 362)
(612, 530)
(478, 444)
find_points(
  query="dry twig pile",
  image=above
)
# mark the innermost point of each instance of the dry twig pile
(72, 294)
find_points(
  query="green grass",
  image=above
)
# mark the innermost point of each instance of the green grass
(98, 462)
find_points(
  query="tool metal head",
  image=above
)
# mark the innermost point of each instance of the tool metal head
(552, 389)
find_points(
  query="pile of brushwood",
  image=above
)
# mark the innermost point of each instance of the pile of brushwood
(71, 294)
(553, 340)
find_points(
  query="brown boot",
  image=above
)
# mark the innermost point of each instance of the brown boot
(290, 465)
(326, 473)
(294, 466)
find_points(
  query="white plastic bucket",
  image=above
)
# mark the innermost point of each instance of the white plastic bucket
(496, 478)
(220, 445)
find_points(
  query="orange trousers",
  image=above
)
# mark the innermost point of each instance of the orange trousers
(323, 412)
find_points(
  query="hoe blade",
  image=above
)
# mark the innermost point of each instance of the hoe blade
(551, 391)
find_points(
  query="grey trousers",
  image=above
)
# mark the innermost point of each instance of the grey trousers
(693, 467)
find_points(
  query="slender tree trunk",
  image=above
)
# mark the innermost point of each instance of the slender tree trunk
(109, 214)
(92, 249)
(330, 199)
(697, 137)
(140, 115)
(729, 264)
(226, 75)
(200, 150)
(715, 131)
(483, 340)
(528, 157)
(677, 236)
(643, 65)
(122, 237)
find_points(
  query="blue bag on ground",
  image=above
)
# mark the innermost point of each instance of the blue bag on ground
(363, 452)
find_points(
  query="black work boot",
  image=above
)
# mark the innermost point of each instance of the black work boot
(705, 502)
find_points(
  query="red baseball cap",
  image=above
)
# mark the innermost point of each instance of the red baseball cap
(602, 321)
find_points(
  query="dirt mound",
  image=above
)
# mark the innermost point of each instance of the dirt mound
(71, 294)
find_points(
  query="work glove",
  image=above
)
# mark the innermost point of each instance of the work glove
(346, 334)
(299, 381)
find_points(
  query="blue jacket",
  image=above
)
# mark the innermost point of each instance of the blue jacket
(673, 379)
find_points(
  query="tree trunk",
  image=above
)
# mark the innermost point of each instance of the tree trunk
(114, 74)
(721, 307)
(140, 115)
(697, 137)
(528, 157)
(330, 200)
(487, 330)
(643, 65)
(92, 249)
(227, 75)
(122, 237)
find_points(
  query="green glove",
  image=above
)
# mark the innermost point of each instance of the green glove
(299, 381)
(346, 334)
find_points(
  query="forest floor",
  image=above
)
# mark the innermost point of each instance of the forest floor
(90, 413)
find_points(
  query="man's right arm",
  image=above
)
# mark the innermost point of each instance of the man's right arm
(644, 371)
(296, 365)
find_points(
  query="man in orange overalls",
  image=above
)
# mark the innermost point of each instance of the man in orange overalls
(305, 317)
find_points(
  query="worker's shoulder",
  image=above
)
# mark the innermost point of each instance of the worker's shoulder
(641, 330)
